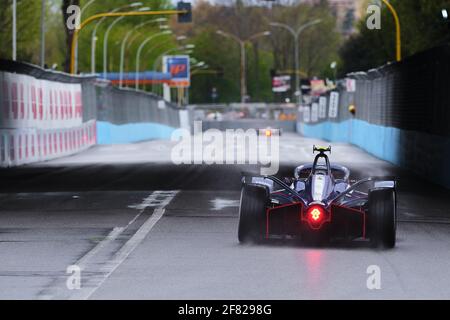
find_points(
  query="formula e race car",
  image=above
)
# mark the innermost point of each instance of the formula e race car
(319, 204)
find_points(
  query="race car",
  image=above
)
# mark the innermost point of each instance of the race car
(269, 132)
(318, 205)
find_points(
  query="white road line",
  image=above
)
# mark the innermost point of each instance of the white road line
(131, 244)
(54, 291)
(110, 237)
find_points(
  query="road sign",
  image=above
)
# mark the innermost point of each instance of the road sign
(179, 69)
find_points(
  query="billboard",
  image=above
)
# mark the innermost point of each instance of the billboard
(179, 69)
(281, 84)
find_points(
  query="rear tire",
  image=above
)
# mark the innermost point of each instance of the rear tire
(252, 213)
(383, 218)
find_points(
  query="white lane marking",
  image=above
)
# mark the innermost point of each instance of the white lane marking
(128, 247)
(156, 199)
(219, 203)
(54, 291)
(110, 237)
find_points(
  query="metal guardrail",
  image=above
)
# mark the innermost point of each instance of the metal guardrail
(411, 95)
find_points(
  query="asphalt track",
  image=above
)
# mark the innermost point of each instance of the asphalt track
(141, 227)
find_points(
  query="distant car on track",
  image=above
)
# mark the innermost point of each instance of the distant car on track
(319, 204)
(269, 132)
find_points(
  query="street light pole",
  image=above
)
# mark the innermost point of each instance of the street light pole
(296, 35)
(117, 14)
(14, 30)
(138, 54)
(243, 57)
(156, 46)
(105, 46)
(398, 37)
(94, 36)
(124, 43)
(243, 73)
(81, 16)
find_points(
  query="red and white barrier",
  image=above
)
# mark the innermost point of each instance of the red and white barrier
(18, 147)
(41, 120)
(27, 102)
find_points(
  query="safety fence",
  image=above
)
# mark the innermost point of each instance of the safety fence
(124, 106)
(28, 145)
(244, 111)
(400, 113)
(45, 115)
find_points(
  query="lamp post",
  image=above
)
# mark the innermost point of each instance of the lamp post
(105, 41)
(43, 3)
(94, 34)
(83, 9)
(151, 49)
(105, 45)
(124, 43)
(398, 37)
(86, 22)
(333, 67)
(243, 57)
(138, 54)
(296, 35)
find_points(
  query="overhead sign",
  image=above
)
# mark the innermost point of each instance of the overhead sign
(281, 84)
(179, 69)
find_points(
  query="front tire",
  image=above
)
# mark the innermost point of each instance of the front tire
(383, 218)
(252, 212)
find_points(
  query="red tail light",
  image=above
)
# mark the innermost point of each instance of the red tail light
(316, 216)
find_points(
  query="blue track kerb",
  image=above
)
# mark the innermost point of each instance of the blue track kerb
(380, 141)
(425, 154)
(108, 133)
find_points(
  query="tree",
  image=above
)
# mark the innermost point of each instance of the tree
(28, 17)
(422, 28)
(319, 45)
